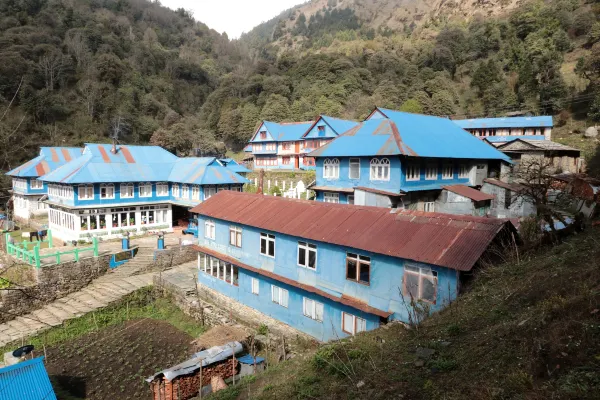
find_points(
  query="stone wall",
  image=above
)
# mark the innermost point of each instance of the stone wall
(53, 282)
(170, 257)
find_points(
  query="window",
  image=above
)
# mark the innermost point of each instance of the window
(413, 172)
(447, 171)
(255, 285)
(162, 189)
(209, 191)
(352, 324)
(309, 161)
(85, 192)
(267, 244)
(507, 198)
(331, 168)
(220, 270)
(107, 191)
(358, 268)
(263, 134)
(285, 160)
(420, 283)
(209, 230)
(175, 190)
(271, 146)
(126, 190)
(429, 206)
(463, 171)
(431, 172)
(350, 199)
(195, 192)
(37, 184)
(329, 197)
(307, 255)
(312, 309)
(286, 146)
(380, 169)
(279, 296)
(235, 236)
(321, 130)
(354, 172)
(185, 191)
(145, 189)
(236, 189)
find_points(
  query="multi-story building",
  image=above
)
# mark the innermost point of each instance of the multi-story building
(509, 128)
(279, 145)
(334, 270)
(398, 159)
(321, 132)
(112, 189)
(27, 189)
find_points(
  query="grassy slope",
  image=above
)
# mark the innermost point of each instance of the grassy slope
(528, 330)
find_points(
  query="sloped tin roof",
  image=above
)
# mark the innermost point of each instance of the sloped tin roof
(506, 122)
(49, 159)
(452, 241)
(285, 131)
(468, 192)
(27, 380)
(338, 125)
(412, 135)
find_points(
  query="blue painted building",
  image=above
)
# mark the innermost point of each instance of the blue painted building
(321, 132)
(333, 270)
(110, 190)
(27, 380)
(27, 189)
(509, 128)
(398, 159)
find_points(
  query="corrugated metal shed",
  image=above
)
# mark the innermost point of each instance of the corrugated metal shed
(286, 131)
(451, 241)
(412, 135)
(50, 158)
(468, 192)
(507, 122)
(27, 380)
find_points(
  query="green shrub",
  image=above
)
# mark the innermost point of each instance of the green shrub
(262, 329)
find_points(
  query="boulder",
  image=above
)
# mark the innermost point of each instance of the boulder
(591, 132)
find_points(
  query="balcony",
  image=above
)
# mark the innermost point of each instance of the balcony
(264, 150)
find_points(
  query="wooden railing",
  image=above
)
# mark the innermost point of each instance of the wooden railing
(33, 257)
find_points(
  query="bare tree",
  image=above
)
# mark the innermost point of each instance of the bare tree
(90, 91)
(77, 46)
(118, 128)
(52, 67)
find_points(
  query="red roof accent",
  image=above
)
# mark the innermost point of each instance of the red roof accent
(104, 154)
(468, 192)
(377, 191)
(55, 157)
(66, 154)
(39, 169)
(128, 157)
(451, 241)
(349, 301)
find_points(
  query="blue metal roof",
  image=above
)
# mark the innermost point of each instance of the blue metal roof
(501, 139)
(234, 166)
(50, 158)
(411, 135)
(506, 122)
(141, 164)
(27, 380)
(285, 131)
(339, 126)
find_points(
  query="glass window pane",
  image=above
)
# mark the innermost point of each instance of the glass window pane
(348, 322)
(272, 248)
(365, 271)
(312, 259)
(361, 325)
(308, 306)
(284, 297)
(411, 284)
(319, 311)
(263, 246)
(428, 289)
(301, 256)
(351, 269)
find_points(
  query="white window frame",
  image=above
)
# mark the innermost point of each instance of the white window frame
(447, 171)
(331, 168)
(413, 172)
(331, 197)
(185, 191)
(313, 309)
(195, 192)
(463, 171)
(429, 206)
(36, 184)
(350, 198)
(255, 286)
(380, 169)
(162, 189)
(85, 189)
(358, 324)
(308, 248)
(431, 172)
(280, 296)
(209, 191)
(209, 229)
(267, 238)
(359, 260)
(124, 191)
(109, 190)
(356, 162)
(175, 190)
(421, 273)
(143, 187)
(235, 236)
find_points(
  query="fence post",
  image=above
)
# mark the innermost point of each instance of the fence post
(36, 251)
(50, 242)
(95, 241)
(76, 254)
(58, 257)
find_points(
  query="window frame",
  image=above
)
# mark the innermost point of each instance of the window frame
(350, 162)
(359, 263)
(254, 281)
(86, 188)
(331, 195)
(375, 165)
(185, 191)
(331, 168)
(420, 275)
(445, 168)
(431, 167)
(123, 189)
(354, 323)
(463, 171)
(36, 184)
(208, 189)
(269, 238)
(107, 187)
(208, 224)
(430, 205)
(313, 312)
(306, 246)
(350, 196)
(144, 186)
(196, 192)
(162, 185)
(237, 231)
(280, 296)
(411, 168)
(175, 190)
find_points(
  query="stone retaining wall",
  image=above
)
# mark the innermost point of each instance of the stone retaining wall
(53, 282)
(170, 257)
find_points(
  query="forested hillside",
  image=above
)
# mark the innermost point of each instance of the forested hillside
(87, 69)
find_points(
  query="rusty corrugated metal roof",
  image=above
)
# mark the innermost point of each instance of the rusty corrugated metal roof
(468, 192)
(452, 241)
(515, 187)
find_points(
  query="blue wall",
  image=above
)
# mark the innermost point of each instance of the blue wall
(330, 276)
(314, 133)
(29, 189)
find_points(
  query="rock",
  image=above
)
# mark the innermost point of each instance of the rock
(360, 384)
(260, 338)
(445, 344)
(419, 363)
(424, 353)
(591, 132)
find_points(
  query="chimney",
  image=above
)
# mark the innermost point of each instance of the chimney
(261, 180)
(114, 146)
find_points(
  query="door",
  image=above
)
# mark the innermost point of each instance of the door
(297, 162)
(297, 148)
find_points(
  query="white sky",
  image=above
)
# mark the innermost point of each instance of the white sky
(232, 16)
